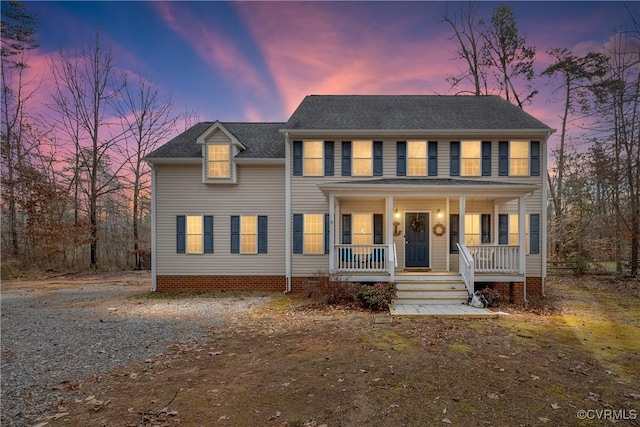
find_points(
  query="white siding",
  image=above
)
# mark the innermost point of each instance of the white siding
(180, 191)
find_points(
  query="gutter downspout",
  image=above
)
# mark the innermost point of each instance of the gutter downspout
(544, 214)
(154, 240)
(287, 211)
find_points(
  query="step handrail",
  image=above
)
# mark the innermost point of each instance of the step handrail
(466, 265)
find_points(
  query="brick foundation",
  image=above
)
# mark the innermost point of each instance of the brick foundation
(220, 283)
(513, 292)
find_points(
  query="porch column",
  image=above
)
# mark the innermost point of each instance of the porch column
(332, 230)
(463, 210)
(496, 223)
(448, 239)
(521, 221)
(390, 258)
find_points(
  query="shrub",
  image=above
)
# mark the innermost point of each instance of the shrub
(331, 290)
(377, 297)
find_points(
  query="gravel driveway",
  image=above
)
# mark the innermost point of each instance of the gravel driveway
(58, 334)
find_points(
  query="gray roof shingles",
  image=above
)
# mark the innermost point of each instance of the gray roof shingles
(263, 140)
(362, 112)
(390, 112)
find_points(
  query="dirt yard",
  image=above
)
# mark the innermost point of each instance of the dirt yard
(571, 360)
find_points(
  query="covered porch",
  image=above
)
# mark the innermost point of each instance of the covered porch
(426, 227)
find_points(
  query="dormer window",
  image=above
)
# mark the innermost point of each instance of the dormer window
(218, 161)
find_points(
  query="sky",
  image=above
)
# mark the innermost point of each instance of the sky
(255, 61)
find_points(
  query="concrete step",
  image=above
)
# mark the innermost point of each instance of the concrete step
(432, 294)
(430, 301)
(433, 286)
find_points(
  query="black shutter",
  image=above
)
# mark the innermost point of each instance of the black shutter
(401, 158)
(346, 158)
(454, 233)
(433, 158)
(346, 229)
(262, 234)
(181, 234)
(378, 227)
(503, 158)
(297, 158)
(326, 233)
(328, 158)
(535, 158)
(208, 234)
(235, 234)
(485, 228)
(503, 229)
(377, 158)
(486, 158)
(298, 228)
(534, 233)
(454, 157)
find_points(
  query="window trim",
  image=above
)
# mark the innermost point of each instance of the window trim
(241, 234)
(305, 234)
(425, 158)
(526, 159)
(354, 158)
(353, 227)
(319, 159)
(208, 162)
(477, 159)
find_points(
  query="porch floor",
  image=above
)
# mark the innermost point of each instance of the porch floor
(442, 310)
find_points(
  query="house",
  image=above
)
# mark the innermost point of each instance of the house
(440, 194)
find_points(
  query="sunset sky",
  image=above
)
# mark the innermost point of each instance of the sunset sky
(255, 61)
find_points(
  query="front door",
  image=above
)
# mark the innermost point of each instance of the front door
(416, 250)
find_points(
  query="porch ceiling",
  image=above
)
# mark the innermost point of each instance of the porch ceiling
(433, 186)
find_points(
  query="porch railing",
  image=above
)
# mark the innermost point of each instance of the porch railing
(495, 258)
(466, 265)
(361, 258)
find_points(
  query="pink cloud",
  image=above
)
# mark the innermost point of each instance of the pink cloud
(322, 52)
(213, 47)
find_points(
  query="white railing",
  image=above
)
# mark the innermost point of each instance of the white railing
(466, 266)
(361, 257)
(495, 258)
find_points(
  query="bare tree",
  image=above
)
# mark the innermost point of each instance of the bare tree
(18, 38)
(147, 121)
(85, 91)
(575, 78)
(470, 41)
(618, 105)
(507, 52)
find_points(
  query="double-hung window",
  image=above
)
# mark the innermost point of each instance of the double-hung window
(218, 161)
(313, 158)
(362, 158)
(194, 234)
(513, 230)
(248, 234)
(416, 158)
(470, 158)
(472, 229)
(519, 158)
(314, 233)
(362, 229)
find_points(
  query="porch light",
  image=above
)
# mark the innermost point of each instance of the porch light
(396, 223)
(439, 214)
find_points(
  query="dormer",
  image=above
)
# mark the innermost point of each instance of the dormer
(219, 149)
